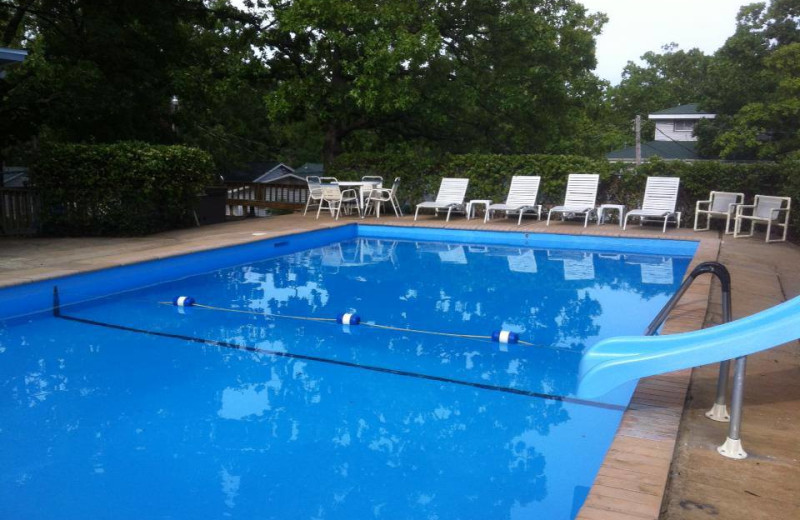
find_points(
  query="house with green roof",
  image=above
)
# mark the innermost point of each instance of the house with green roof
(674, 136)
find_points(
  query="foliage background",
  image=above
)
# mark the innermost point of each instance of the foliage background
(127, 188)
(490, 177)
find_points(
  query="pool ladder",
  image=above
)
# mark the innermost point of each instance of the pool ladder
(732, 447)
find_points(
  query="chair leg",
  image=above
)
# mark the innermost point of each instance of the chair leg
(625, 222)
(448, 213)
(521, 212)
(548, 216)
(666, 218)
(416, 213)
(319, 208)
(308, 202)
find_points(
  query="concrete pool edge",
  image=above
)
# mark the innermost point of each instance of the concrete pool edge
(631, 482)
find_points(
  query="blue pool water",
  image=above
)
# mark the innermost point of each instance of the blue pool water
(126, 408)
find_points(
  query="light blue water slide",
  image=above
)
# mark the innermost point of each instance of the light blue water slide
(614, 361)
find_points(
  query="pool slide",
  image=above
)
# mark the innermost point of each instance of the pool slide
(615, 361)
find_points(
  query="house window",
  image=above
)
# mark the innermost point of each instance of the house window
(683, 125)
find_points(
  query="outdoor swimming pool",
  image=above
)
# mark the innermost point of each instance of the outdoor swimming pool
(123, 407)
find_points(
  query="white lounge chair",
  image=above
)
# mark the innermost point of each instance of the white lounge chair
(521, 197)
(581, 197)
(660, 199)
(450, 197)
(764, 210)
(720, 204)
(336, 198)
(380, 195)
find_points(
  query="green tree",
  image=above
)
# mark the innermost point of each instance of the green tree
(451, 75)
(674, 77)
(752, 85)
(106, 71)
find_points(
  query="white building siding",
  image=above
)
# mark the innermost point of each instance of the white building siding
(665, 130)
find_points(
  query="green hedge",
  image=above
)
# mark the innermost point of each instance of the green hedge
(126, 188)
(490, 176)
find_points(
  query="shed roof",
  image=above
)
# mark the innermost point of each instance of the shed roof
(254, 171)
(669, 150)
(689, 109)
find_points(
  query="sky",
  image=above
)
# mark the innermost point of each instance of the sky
(637, 26)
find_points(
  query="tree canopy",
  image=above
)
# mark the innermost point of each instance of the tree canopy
(305, 80)
(305, 77)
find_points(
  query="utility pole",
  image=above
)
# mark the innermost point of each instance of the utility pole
(638, 129)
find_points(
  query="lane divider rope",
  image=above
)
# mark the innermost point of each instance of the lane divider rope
(362, 324)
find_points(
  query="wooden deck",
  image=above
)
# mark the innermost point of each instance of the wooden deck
(632, 481)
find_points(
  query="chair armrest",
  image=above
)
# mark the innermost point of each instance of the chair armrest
(706, 202)
(773, 213)
(353, 193)
(741, 207)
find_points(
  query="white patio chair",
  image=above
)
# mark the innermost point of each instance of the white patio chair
(336, 198)
(720, 204)
(377, 181)
(660, 199)
(314, 192)
(450, 197)
(581, 197)
(521, 197)
(380, 195)
(764, 210)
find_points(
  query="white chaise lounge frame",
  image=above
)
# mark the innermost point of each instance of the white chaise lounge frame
(660, 199)
(450, 197)
(581, 197)
(720, 204)
(521, 197)
(766, 209)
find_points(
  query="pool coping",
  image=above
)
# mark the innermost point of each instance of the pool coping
(631, 482)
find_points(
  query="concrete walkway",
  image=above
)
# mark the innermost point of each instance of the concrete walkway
(766, 484)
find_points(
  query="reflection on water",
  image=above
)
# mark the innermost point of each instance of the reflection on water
(204, 431)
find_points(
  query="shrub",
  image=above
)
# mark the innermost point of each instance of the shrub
(490, 176)
(126, 188)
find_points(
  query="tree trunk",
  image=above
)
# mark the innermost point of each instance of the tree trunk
(332, 145)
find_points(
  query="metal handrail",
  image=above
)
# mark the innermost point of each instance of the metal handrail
(732, 448)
